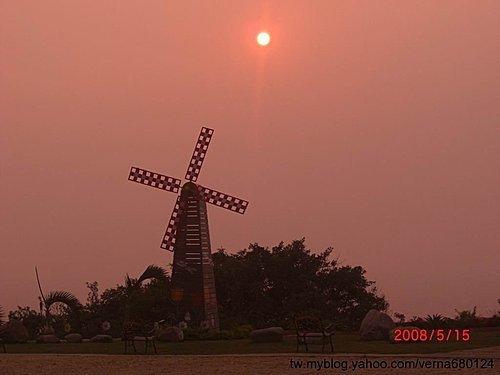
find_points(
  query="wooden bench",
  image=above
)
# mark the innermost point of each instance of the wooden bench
(136, 332)
(310, 329)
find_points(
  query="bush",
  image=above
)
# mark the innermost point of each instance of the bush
(241, 332)
(436, 321)
(416, 321)
(237, 332)
(30, 319)
(466, 319)
(223, 335)
(92, 326)
(197, 334)
(494, 321)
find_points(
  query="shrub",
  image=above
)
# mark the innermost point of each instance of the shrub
(241, 332)
(436, 321)
(30, 319)
(466, 319)
(237, 332)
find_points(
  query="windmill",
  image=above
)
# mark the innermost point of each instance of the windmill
(187, 235)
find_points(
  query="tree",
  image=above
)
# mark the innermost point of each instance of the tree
(92, 296)
(63, 311)
(144, 298)
(153, 272)
(466, 318)
(63, 297)
(257, 286)
(262, 286)
(65, 308)
(436, 321)
(150, 301)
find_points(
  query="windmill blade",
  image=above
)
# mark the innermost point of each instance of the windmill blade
(153, 179)
(168, 241)
(223, 200)
(199, 153)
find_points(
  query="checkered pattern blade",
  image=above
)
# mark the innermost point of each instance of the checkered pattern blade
(223, 200)
(156, 180)
(169, 237)
(199, 154)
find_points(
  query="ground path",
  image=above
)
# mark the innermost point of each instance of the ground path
(272, 364)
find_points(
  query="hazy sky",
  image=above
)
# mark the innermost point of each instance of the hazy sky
(370, 126)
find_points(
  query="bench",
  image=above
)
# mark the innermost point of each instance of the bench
(135, 332)
(310, 329)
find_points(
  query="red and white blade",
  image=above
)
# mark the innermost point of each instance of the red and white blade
(199, 153)
(168, 242)
(153, 179)
(223, 200)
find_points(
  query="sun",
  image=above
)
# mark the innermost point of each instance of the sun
(263, 38)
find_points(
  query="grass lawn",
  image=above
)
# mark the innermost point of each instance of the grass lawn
(344, 343)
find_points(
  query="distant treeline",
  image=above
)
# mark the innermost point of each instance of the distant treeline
(258, 286)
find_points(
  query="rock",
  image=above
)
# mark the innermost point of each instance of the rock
(392, 334)
(376, 326)
(14, 332)
(272, 334)
(73, 338)
(170, 334)
(47, 339)
(101, 338)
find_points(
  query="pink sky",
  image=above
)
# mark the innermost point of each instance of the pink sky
(369, 126)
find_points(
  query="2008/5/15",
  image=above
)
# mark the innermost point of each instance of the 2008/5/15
(440, 335)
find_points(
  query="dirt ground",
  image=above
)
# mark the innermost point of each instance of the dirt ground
(16, 364)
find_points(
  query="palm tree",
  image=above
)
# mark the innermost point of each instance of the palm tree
(61, 297)
(66, 298)
(152, 272)
(46, 301)
(133, 286)
(435, 321)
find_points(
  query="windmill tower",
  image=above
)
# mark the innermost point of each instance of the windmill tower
(187, 235)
